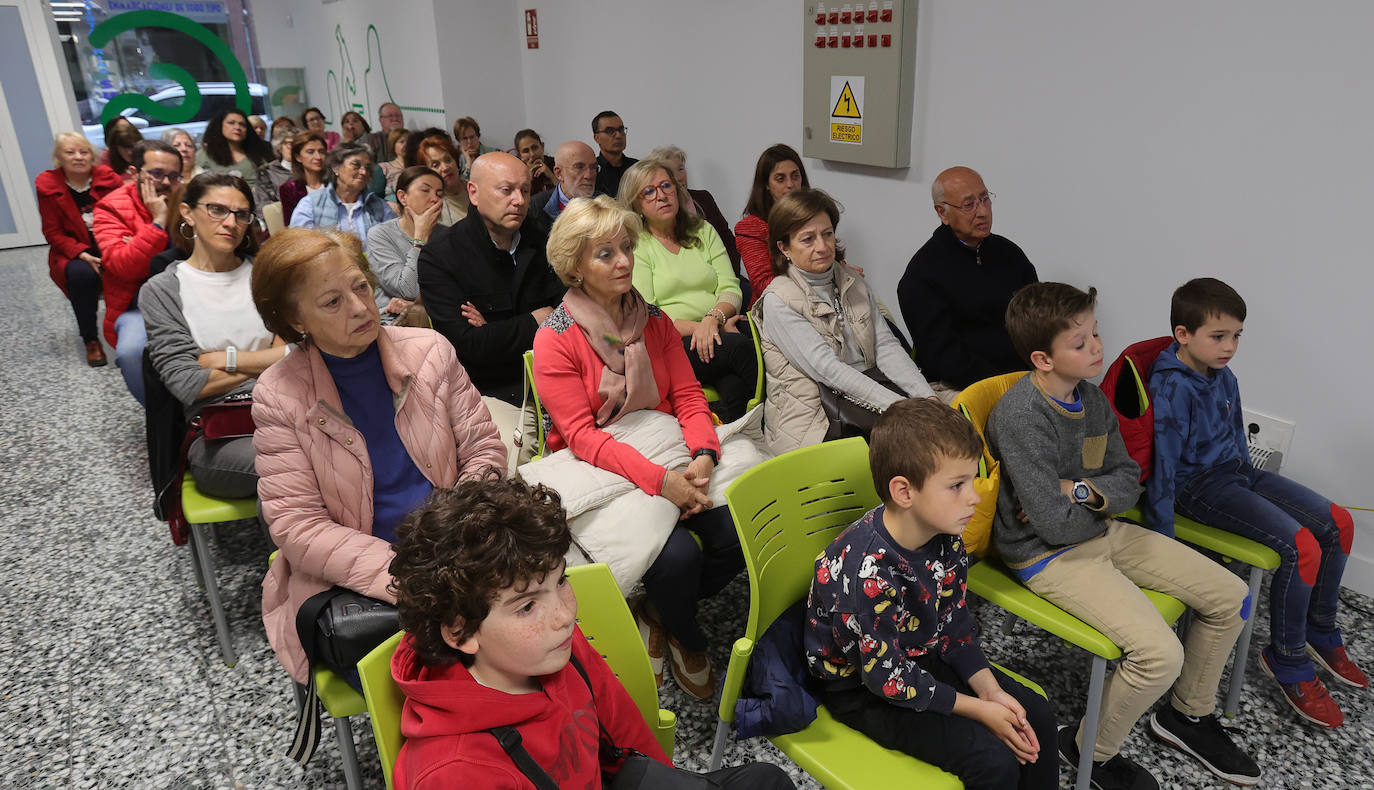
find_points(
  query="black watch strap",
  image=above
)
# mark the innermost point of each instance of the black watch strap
(715, 456)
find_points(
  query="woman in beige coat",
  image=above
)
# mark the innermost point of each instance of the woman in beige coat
(354, 428)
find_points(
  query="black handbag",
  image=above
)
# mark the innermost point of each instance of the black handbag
(337, 628)
(851, 417)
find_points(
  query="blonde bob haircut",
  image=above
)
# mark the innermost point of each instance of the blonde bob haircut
(282, 265)
(640, 174)
(583, 221)
(71, 137)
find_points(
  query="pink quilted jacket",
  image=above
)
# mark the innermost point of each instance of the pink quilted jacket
(315, 479)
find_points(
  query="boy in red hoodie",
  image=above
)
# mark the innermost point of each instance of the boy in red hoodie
(492, 642)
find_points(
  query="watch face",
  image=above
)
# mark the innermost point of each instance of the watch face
(1080, 492)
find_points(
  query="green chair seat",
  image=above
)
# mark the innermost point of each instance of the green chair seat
(201, 509)
(993, 582)
(1228, 544)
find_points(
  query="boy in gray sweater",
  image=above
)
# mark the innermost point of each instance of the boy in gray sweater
(1064, 471)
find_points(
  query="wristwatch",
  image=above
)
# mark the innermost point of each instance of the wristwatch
(231, 359)
(715, 456)
(1081, 492)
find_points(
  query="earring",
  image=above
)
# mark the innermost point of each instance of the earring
(183, 228)
(577, 282)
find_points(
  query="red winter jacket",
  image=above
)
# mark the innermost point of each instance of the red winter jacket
(128, 241)
(63, 226)
(447, 713)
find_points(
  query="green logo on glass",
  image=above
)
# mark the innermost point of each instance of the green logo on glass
(187, 109)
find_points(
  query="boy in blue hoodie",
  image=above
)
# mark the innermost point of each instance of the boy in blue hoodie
(1202, 469)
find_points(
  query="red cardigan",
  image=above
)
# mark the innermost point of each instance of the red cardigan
(63, 226)
(567, 373)
(751, 237)
(128, 241)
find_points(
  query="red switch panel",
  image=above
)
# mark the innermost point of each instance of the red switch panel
(886, 16)
(887, 39)
(834, 17)
(858, 40)
(820, 41)
(873, 39)
(820, 18)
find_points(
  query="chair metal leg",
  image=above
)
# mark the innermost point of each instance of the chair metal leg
(353, 775)
(203, 553)
(1242, 658)
(1009, 623)
(195, 559)
(1090, 721)
(718, 745)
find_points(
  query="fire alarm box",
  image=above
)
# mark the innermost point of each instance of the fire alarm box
(859, 81)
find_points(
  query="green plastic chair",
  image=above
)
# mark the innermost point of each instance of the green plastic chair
(538, 407)
(712, 396)
(992, 581)
(341, 702)
(200, 512)
(384, 700)
(610, 629)
(787, 510)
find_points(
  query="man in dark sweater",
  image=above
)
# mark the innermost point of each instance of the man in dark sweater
(610, 134)
(957, 286)
(486, 281)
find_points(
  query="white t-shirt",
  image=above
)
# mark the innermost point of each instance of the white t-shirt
(219, 308)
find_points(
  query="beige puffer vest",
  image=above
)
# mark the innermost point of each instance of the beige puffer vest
(792, 414)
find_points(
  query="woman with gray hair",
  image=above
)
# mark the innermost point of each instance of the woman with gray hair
(602, 355)
(344, 203)
(277, 172)
(181, 140)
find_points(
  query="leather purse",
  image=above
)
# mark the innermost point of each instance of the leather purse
(230, 418)
(850, 417)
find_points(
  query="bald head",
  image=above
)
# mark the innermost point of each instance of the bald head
(574, 165)
(963, 203)
(499, 188)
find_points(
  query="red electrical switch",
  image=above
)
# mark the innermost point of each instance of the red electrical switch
(820, 18)
(886, 15)
(887, 40)
(820, 41)
(834, 17)
(846, 17)
(834, 42)
(873, 39)
(858, 40)
(845, 41)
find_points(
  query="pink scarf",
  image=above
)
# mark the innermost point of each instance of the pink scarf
(627, 378)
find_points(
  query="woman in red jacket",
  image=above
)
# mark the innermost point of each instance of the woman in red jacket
(67, 194)
(603, 354)
(779, 171)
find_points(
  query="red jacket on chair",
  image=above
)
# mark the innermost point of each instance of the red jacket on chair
(128, 241)
(1136, 415)
(63, 226)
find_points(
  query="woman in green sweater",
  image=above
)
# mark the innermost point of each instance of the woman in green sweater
(682, 266)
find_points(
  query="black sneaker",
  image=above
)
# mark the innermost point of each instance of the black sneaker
(1118, 773)
(1205, 739)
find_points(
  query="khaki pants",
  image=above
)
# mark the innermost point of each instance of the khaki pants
(1099, 582)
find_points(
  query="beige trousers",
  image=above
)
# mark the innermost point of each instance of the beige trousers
(1099, 582)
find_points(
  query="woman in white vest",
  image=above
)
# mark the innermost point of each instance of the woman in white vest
(819, 326)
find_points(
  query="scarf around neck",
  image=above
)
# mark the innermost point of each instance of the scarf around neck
(627, 376)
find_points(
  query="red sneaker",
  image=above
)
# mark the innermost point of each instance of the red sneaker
(1308, 697)
(1339, 665)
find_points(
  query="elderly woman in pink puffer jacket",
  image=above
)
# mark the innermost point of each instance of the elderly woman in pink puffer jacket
(354, 429)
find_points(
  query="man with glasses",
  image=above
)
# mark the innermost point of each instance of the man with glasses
(389, 116)
(574, 165)
(609, 132)
(956, 288)
(130, 226)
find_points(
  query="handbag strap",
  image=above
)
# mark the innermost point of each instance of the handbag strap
(510, 741)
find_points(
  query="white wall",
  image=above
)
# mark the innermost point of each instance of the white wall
(1132, 147)
(398, 61)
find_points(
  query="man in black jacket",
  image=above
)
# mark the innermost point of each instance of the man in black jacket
(574, 165)
(956, 288)
(486, 281)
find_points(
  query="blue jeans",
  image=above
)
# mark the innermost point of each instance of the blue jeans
(1312, 537)
(130, 339)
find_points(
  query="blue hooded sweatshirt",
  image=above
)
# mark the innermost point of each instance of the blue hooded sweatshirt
(1198, 426)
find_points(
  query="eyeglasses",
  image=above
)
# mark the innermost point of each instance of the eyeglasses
(614, 130)
(971, 205)
(170, 176)
(355, 164)
(578, 168)
(666, 187)
(218, 213)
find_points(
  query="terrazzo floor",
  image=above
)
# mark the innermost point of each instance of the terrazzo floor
(112, 674)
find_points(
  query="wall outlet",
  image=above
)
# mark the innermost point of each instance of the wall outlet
(1270, 433)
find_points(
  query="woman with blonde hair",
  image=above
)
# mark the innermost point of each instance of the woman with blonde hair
(682, 266)
(67, 195)
(354, 429)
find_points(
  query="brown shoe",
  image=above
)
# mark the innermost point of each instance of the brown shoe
(655, 640)
(692, 670)
(95, 355)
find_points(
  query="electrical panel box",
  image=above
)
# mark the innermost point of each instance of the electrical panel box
(859, 74)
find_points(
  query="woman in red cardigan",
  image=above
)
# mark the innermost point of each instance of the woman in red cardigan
(602, 354)
(779, 171)
(66, 196)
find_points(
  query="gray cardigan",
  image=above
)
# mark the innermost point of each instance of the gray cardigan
(393, 259)
(1040, 443)
(170, 346)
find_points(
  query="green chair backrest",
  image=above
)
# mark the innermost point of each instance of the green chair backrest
(758, 360)
(384, 701)
(787, 510)
(610, 629)
(538, 405)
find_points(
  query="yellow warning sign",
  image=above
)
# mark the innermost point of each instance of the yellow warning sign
(846, 106)
(846, 133)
